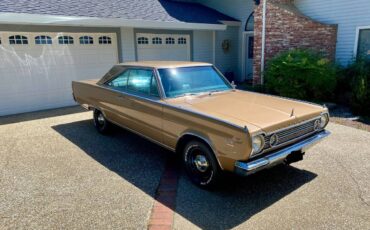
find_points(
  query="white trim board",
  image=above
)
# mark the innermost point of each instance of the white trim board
(244, 54)
(39, 19)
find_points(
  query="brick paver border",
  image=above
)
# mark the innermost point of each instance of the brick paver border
(162, 213)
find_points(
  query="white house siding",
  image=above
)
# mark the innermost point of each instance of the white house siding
(238, 9)
(347, 14)
(227, 61)
(203, 46)
(128, 44)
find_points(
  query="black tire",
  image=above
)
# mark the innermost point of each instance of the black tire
(102, 125)
(201, 165)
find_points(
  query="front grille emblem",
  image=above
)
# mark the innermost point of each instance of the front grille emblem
(274, 140)
(317, 125)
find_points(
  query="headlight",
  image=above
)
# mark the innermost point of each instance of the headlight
(324, 120)
(257, 144)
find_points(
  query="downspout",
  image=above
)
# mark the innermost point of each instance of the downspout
(214, 47)
(263, 41)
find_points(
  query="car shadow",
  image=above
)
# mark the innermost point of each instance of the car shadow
(136, 159)
(29, 116)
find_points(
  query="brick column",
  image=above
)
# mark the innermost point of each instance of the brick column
(287, 28)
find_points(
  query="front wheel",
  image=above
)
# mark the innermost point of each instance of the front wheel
(201, 165)
(101, 124)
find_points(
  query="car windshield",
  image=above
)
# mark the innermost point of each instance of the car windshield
(192, 80)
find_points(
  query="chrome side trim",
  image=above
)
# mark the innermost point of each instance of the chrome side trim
(247, 168)
(205, 140)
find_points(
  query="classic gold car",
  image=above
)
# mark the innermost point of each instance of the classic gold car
(191, 109)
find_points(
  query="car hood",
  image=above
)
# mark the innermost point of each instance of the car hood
(254, 110)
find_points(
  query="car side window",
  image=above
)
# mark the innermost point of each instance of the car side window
(143, 81)
(154, 87)
(120, 82)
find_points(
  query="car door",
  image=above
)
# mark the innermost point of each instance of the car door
(146, 111)
(115, 102)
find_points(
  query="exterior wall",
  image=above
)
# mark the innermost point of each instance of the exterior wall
(128, 52)
(238, 9)
(203, 46)
(347, 14)
(287, 28)
(227, 61)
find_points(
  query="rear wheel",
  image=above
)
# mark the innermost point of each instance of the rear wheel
(101, 124)
(201, 165)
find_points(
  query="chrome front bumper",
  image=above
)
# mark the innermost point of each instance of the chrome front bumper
(278, 157)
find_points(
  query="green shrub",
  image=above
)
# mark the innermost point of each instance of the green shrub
(358, 78)
(301, 74)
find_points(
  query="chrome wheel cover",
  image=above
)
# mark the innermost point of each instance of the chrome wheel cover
(101, 119)
(201, 163)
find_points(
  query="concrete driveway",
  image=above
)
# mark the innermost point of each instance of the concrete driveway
(57, 172)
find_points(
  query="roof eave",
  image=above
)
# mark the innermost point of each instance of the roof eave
(40, 19)
(231, 23)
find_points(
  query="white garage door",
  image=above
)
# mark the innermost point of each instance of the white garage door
(165, 47)
(36, 69)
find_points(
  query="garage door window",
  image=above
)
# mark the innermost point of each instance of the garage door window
(157, 41)
(42, 39)
(142, 40)
(170, 41)
(18, 40)
(181, 41)
(86, 40)
(105, 40)
(65, 40)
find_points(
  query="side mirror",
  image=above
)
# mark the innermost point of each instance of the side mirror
(233, 85)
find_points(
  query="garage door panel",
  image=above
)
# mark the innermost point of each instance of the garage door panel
(38, 77)
(175, 47)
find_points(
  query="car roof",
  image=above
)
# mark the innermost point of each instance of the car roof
(165, 64)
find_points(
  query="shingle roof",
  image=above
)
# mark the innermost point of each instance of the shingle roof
(151, 10)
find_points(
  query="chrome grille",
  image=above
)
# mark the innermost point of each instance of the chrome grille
(290, 134)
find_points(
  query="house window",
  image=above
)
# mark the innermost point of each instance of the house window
(363, 49)
(170, 41)
(250, 47)
(18, 40)
(181, 41)
(157, 40)
(86, 40)
(65, 40)
(42, 39)
(105, 40)
(142, 40)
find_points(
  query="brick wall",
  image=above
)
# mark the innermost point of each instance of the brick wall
(287, 28)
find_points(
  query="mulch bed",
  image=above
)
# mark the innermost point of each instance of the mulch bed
(354, 124)
(342, 115)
